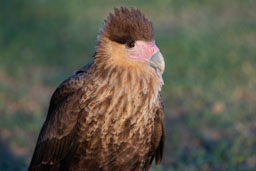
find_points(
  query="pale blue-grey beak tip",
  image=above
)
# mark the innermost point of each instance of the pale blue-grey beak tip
(157, 61)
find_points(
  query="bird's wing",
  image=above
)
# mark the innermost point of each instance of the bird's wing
(55, 139)
(158, 137)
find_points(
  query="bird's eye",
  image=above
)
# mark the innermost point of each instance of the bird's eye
(130, 44)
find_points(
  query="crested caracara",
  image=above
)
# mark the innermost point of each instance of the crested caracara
(108, 116)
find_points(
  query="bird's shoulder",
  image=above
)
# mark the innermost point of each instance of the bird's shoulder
(69, 86)
(64, 104)
(59, 129)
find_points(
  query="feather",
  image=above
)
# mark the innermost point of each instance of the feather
(108, 115)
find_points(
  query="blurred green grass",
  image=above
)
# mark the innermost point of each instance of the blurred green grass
(210, 78)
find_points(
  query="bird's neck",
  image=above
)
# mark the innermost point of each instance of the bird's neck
(112, 65)
(123, 93)
(126, 82)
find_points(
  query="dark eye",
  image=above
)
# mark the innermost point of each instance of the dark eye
(130, 44)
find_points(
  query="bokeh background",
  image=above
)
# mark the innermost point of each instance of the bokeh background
(210, 79)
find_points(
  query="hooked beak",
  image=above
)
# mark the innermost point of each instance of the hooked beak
(157, 61)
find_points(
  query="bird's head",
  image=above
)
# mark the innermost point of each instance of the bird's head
(127, 39)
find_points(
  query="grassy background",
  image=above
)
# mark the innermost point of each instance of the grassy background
(210, 78)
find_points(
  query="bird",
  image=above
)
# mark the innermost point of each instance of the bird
(108, 115)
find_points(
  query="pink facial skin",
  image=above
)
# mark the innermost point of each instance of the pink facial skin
(142, 51)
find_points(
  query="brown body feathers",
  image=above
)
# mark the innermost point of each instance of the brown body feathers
(108, 116)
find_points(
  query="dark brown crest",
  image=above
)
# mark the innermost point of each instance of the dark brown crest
(128, 25)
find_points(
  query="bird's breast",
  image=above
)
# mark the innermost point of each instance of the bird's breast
(117, 117)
